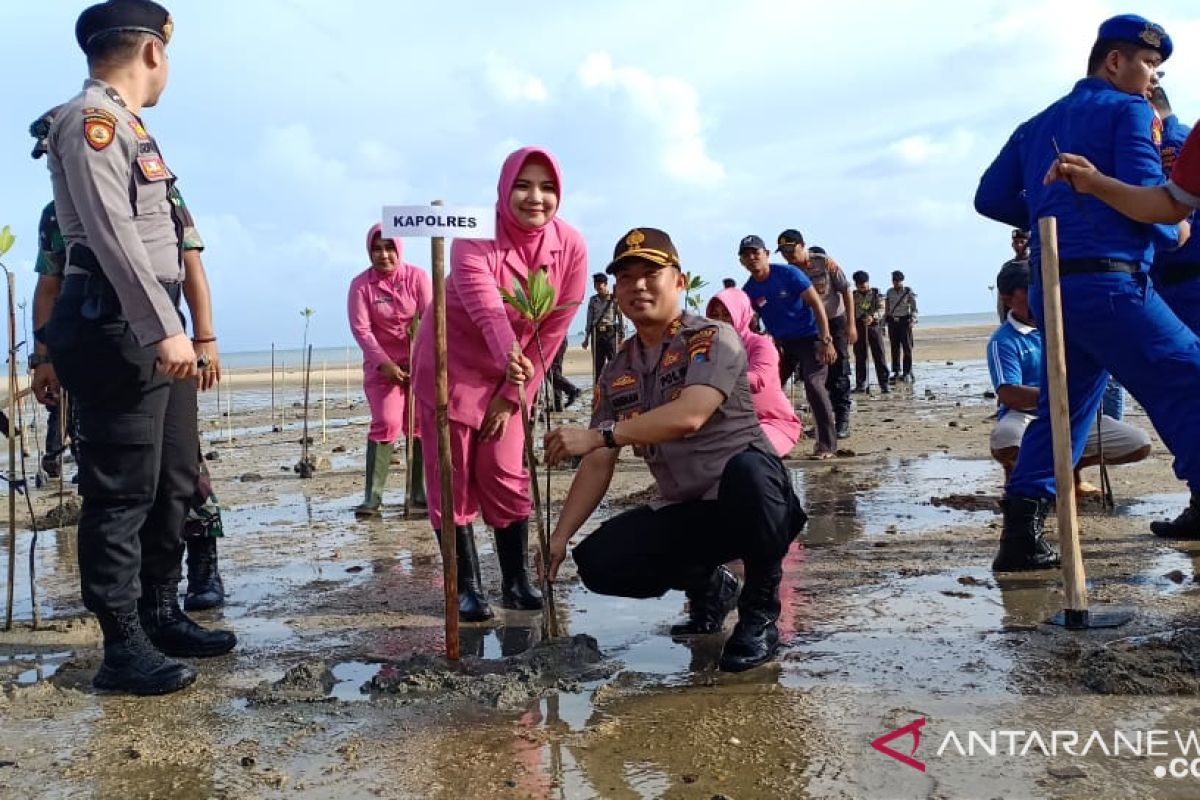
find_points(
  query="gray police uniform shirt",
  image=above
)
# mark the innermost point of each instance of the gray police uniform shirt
(830, 282)
(696, 352)
(901, 302)
(111, 195)
(604, 318)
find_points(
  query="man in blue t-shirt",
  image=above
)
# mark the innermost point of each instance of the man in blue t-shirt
(1014, 356)
(793, 314)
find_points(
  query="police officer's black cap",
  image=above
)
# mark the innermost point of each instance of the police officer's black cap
(1013, 275)
(1020, 233)
(599, 277)
(751, 242)
(122, 16)
(897, 275)
(790, 236)
(817, 251)
(648, 244)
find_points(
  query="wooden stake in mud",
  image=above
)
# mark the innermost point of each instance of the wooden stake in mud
(272, 385)
(306, 467)
(324, 404)
(1076, 615)
(228, 406)
(12, 446)
(442, 403)
(550, 628)
(347, 376)
(410, 413)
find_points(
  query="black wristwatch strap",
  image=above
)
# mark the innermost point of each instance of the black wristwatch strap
(610, 439)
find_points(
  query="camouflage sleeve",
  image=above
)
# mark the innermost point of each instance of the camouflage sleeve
(52, 250)
(191, 236)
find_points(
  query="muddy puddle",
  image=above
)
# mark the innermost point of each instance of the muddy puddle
(890, 615)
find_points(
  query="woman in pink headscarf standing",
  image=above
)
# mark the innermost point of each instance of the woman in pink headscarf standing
(486, 433)
(383, 301)
(775, 413)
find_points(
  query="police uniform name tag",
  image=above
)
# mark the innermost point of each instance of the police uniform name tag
(449, 222)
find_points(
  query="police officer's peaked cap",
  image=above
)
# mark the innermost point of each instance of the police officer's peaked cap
(122, 16)
(649, 244)
(1136, 30)
(1013, 275)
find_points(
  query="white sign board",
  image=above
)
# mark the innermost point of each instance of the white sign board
(450, 222)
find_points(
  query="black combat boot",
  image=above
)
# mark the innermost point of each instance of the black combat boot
(419, 501)
(472, 604)
(132, 664)
(205, 589)
(1023, 544)
(755, 638)
(843, 428)
(1185, 526)
(512, 550)
(172, 631)
(710, 604)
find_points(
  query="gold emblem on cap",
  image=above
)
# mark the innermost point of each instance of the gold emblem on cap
(635, 239)
(167, 29)
(1152, 34)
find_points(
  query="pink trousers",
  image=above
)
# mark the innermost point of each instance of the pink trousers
(389, 411)
(488, 477)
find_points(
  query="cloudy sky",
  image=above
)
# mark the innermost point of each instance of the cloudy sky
(866, 125)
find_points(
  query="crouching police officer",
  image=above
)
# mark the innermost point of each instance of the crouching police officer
(117, 341)
(678, 393)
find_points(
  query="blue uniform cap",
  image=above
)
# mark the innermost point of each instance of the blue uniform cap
(1136, 30)
(751, 242)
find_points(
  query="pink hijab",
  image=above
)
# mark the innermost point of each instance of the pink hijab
(737, 303)
(510, 234)
(377, 230)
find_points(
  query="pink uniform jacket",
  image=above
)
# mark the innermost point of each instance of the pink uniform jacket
(771, 404)
(380, 308)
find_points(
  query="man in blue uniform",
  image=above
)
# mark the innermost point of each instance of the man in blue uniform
(1113, 318)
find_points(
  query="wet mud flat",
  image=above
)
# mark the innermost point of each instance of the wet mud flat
(890, 615)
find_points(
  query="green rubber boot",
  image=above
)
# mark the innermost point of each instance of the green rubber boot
(418, 479)
(379, 458)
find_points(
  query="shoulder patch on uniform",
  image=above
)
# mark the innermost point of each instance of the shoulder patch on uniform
(92, 112)
(1156, 131)
(98, 132)
(700, 344)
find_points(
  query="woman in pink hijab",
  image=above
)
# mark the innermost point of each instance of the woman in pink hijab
(486, 434)
(383, 301)
(775, 413)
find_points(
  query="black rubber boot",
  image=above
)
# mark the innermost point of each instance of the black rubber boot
(710, 604)
(132, 664)
(1023, 544)
(205, 589)
(755, 638)
(472, 604)
(512, 550)
(843, 428)
(419, 500)
(1185, 526)
(172, 631)
(379, 459)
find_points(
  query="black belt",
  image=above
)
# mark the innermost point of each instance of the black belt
(1178, 273)
(82, 256)
(1087, 266)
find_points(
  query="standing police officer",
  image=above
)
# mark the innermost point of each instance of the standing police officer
(1113, 318)
(678, 392)
(605, 328)
(117, 341)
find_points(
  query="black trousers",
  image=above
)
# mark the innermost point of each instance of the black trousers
(137, 449)
(837, 377)
(900, 332)
(803, 353)
(869, 336)
(54, 432)
(604, 347)
(558, 382)
(645, 552)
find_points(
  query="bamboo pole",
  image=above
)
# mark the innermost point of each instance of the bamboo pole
(445, 477)
(324, 371)
(272, 385)
(1074, 578)
(12, 447)
(410, 413)
(307, 383)
(228, 406)
(347, 376)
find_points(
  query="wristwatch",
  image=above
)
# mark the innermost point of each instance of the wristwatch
(606, 430)
(826, 340)
(37, 359)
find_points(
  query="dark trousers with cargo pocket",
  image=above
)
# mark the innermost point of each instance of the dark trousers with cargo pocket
(646, 552)
(137, 447)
